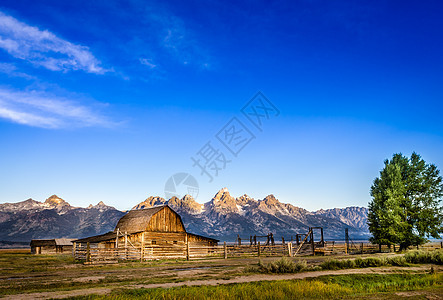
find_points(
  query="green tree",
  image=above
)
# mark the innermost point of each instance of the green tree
(405, 208)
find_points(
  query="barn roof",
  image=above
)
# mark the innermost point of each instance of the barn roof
(43, 242)
(51, 242)
(136, 220)
(63, 242)
(204, 237)
(98, 238)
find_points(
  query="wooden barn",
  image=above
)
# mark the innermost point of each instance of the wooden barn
(144, 234)
(51, 246)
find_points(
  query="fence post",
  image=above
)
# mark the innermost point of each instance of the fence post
(142, 249)
(258, 249)
(322, 237)
(312, 242)
(225, 250)
(116, 244)
(290, 249)
(361, 248)
(88, 252)
(126, 245)
(73, 249)
(187, 247)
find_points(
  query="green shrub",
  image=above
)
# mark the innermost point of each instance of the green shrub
(335, 264)
(282, 265)
(369, 262)
(425, 257)
(398, 261)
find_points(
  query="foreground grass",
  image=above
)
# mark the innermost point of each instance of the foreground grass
(12, 262)
(325, 287)
(21, 272)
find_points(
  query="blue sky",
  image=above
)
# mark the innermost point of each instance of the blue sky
(105, 101)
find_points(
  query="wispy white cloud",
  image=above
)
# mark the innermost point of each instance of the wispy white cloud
(180, 42)
(45, 110)
(147, 62)
(11, 70)
(43, 48)
(176, 38)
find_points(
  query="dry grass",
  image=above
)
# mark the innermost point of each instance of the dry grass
(21, 272)
(326, 287)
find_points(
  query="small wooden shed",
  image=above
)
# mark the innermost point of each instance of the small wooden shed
(51, 246)
(151, 233)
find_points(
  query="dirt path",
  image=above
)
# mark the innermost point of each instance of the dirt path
(213, 282)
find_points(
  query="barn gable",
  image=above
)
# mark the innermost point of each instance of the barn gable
(156, 219)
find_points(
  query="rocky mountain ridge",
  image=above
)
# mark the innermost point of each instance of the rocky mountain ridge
(223, 217)
(54, 218)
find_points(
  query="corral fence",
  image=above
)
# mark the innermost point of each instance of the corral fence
(341, 247)
(89, 252)
(92, 254)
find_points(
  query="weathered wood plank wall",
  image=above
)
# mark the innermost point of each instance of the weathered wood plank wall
(166, 220)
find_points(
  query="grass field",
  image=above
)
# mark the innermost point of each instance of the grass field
(48, 276)
(325, 287)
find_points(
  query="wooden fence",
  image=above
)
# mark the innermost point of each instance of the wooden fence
(368, 248)
(91, 253)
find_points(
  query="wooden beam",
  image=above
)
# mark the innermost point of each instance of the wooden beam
(301, 244)
(187, 247)
(142, 248)
(322, 239)
(88, 253)
(73, 249)
(126, 245)
(312, 242)
(116, 240)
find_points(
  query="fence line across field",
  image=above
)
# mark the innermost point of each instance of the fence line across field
(92, 254)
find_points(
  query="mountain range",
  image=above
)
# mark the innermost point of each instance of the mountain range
(223, 217)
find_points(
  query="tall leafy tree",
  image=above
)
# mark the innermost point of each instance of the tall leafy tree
(406, 202)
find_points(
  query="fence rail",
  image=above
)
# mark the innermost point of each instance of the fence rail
(91, 253)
